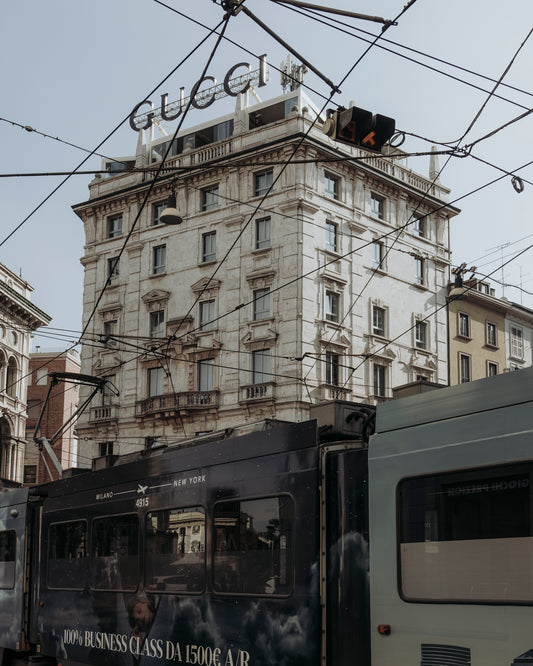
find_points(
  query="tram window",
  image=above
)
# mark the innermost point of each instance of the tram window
(253, 546)
(115, 553)
(175, 550)
(7, 559)
(67, 555)
(468, 536)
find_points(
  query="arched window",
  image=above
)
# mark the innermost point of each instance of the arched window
(11, 378)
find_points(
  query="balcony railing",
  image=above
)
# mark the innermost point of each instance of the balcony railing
(103, 413)
(256, 392)
(332, 392)
(177, 402)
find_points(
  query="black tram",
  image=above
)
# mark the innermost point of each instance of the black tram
(207, 554)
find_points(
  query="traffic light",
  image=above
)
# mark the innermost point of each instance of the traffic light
(359, 127)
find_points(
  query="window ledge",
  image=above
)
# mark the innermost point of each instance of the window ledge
(377, 270)
(517, 359)
(463, 337)
(421, 286)
(209, 262)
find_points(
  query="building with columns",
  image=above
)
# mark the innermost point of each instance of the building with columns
(18, 318)
(303, 271)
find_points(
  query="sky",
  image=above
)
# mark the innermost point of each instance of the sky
(74, 71)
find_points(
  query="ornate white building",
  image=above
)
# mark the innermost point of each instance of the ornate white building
(18, 318)
(251, 309)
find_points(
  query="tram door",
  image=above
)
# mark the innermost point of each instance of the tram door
(347, 593)
(13, 508)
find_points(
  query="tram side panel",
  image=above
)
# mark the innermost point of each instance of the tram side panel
(451, 524)
(13, 553)
(208, 566)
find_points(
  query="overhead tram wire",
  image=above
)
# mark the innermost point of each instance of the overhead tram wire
(319, 19)
(173, 336)
(153, 182)
(488, 184)
(93, 152)
(468, 129)
(334, 89)
(441, 307)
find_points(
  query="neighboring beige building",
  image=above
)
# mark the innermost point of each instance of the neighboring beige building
(488, 335)
(238, 314)
(18, 318)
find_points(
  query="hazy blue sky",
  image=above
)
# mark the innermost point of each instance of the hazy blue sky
(75, 70)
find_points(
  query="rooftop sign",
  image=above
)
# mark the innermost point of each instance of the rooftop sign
(201, 99)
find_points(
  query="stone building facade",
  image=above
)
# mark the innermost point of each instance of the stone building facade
(258, 306)
(18, 318)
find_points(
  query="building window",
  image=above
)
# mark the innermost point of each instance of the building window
(262, 233)
(378, 320)
(377, 206)
(492, 369)
(517, 342)
(465, 372)
(419, 227)
(108, 390)
(155, 381)
(206, 374)
(261, 366)
(464, 325)
(419, 270)
(207, 315)
(105, 448)
(378, 255)
(332, 306)
(421, 335)
(114, 226)
(331, 186)
(210, 197)
(332, 369)
(110, 330)
(492, 334)
(331, 237)
(209, 246)
(157, 209)
(261, 304)
(157, 324)
(263, 182)
(159, 259)
(380, 380)
(41, 377)
(113, 265)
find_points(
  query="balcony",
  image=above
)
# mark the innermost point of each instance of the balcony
(257, 392)
(172, 403)
(332, 392)
(103, 413)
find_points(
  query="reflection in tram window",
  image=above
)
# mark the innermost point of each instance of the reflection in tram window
(7, 559)
(67, 555)
(115, 553)
(253, 546)
(175, 550)
(468, 536)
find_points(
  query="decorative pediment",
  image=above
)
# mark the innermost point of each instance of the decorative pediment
(106, 363)
(157, 297)
(260, 279)
(209, 286)
(421, 361)
(110, 312)
(377, 350)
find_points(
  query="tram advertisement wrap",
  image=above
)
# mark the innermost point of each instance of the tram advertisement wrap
(195, 655)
